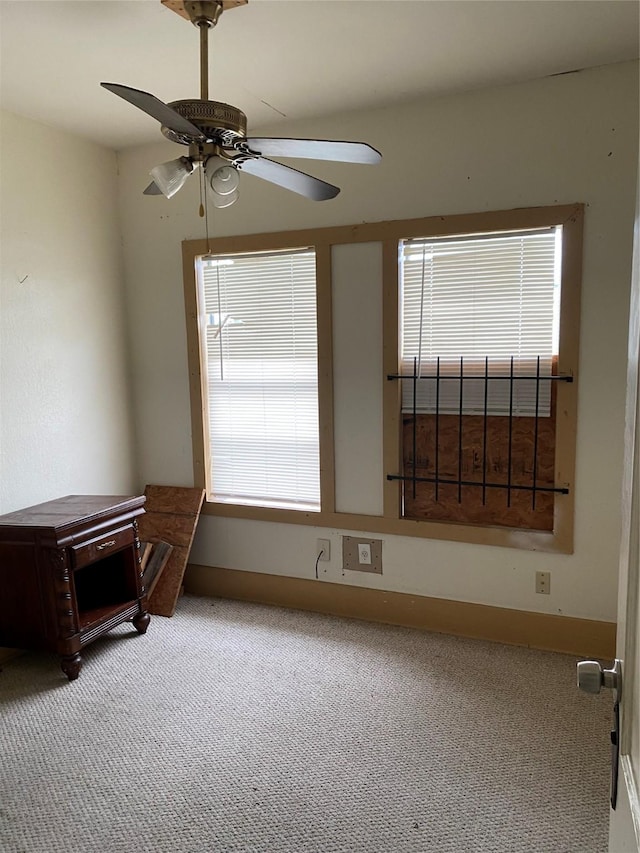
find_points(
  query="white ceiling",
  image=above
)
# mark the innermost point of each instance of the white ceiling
(293, 58)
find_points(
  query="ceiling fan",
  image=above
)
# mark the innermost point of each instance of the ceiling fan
(215, 133)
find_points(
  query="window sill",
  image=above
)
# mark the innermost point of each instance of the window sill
(501, 537)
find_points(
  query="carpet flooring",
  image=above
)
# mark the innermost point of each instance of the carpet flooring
(240, 728)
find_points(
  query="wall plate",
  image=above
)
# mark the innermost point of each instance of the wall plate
(350, 561)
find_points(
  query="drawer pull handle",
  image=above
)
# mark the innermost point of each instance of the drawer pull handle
(105, 545)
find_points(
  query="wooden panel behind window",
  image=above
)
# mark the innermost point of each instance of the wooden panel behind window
(470, 508)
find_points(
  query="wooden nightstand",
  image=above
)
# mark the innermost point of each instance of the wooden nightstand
(69, 572)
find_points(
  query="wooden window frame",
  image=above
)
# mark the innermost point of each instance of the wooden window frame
(388, 234)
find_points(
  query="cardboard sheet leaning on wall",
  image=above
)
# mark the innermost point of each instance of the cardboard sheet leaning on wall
(171, 516)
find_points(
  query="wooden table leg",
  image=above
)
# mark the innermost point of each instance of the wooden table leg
(141, 622)
(71, 666)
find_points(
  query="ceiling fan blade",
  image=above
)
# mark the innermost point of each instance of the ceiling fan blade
(315, 149)
(156, 109)
(290, 179)
(152, 189)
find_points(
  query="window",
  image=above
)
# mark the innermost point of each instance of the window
(281, 385)
(261, 386)
(479, 339)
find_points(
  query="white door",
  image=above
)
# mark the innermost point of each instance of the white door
(624, 833)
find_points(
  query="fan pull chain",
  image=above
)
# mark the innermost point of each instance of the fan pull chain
(206, 223)
(204, 209)
(201, 208)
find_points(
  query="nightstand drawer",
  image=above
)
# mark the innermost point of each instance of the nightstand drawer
(97, 549)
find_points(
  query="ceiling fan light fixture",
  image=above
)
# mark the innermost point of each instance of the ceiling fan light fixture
(223, 180)
(170, 177)
(221, 201)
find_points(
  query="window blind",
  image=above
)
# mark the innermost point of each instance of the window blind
(486, 296)
(260, 341)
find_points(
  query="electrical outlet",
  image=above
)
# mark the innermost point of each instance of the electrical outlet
(323, 548)
(543, 582)
(361, 555)
(364, 553)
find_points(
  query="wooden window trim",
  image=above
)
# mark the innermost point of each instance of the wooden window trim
(389, 234)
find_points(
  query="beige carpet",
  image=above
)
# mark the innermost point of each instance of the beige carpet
(237, 727)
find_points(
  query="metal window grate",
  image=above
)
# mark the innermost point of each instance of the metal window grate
(511, 378)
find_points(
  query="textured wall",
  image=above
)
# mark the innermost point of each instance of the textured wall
(554, 141)
(65, 420)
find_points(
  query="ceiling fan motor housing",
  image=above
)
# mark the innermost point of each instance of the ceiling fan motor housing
(219, 122)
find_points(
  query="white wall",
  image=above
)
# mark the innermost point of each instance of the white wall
(559, 140)
(65, 420)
